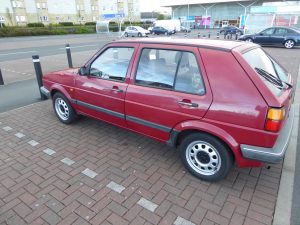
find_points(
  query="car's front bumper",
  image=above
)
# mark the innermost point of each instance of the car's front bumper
(45, 91)
(275, 154)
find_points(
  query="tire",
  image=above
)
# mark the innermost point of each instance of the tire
(205, 156)
(126, 34)
(139, 35)
(249, 40)
(289, 44)
(63, 109)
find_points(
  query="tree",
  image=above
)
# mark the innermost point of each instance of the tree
(160, 17)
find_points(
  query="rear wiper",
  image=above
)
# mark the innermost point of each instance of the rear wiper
(271, 78)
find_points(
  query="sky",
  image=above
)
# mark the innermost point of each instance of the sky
(152, 5)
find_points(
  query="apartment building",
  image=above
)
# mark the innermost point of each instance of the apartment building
(21, 12)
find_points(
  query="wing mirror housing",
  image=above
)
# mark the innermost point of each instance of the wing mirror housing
(83, 71)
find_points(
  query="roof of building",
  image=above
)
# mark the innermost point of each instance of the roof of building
(170, 3)
(206, 43)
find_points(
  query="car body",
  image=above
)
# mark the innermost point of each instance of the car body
(231, 30)
(162, 30)
(173, 91)
(136, 31)
(185, 29)
(281, 36)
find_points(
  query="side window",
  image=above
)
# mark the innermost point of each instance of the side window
(157, 68)
(280, 31)
(188, 77)
(112, 64)
(268, 31)
(169, 69)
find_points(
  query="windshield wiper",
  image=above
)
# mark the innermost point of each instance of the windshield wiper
(272, 79)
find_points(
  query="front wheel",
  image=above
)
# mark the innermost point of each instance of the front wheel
(63, 109)
(289, 44)
(249, 40)
(126, 34)
(205, 156)
(139, 35)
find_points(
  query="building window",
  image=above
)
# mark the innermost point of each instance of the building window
(94, 18)
(38, 5)
(57, 18)
(69, 18)
(78, 7)
(44, 5)
(20, 18)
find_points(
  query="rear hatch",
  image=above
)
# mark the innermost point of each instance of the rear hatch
(274, 83)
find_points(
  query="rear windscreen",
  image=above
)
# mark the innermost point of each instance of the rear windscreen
(259, 60)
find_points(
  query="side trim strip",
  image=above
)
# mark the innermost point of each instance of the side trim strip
(99, 109)
(148, 124)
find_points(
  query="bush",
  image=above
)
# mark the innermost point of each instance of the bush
(66, 24)
(35, 25)
(90, 23)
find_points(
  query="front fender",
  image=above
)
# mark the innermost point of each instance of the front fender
(60, 88)
(206, 127)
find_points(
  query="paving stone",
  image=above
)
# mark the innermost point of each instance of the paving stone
(89, 173)
(67, 161)
(19, 135)
(147, 204)
(115, 187)
(49, 151)
(33, 143)
(181, 221)
(7, 128)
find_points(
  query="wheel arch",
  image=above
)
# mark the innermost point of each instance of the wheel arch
(57, 88)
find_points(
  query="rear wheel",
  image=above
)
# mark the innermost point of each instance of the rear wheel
(289, 44)
(126, 34)
(139, 35)
(63, 109)
(205, 156)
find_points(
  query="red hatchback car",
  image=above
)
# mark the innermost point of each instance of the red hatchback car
(220, 102)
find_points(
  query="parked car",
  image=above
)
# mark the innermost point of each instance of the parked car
(238, 110)
(136, 31)
(162, 30)
(282, 36)
(231, 30)
(185, 29)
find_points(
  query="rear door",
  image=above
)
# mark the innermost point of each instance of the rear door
(168, 86)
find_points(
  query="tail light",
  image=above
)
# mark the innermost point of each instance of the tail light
(274, 119)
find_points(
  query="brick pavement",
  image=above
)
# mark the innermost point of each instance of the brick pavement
(127, 179)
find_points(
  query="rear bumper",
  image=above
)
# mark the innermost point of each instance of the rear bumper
(275, 154)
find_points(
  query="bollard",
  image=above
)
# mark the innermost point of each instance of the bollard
(199, 35)
(68, 50)
(236, 36)
(225, 35)
(1, 78)
(230, 36)
(208, 35)
(218, 35)
(185, 35)
(39, 74)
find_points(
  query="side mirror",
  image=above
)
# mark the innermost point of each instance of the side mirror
(83, 71)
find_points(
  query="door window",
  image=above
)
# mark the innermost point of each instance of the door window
(169, 69)
(268, 31)
(281, 31)
(112, 64)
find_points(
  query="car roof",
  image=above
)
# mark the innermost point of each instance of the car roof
(205, 43)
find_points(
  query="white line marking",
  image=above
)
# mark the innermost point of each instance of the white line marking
(147, 204)
(16, 53)
(33, 143)
(7, 128)
(89, 173)
(49, 151)
(81, 46)
(67, 161)
(19, 135)
(115, 187)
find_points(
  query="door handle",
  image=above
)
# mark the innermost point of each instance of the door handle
(189, 104)
(116, 89)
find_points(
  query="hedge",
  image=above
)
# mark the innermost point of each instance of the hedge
(67, 24)
(35, 25)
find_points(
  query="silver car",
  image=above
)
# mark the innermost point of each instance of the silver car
(136, 31)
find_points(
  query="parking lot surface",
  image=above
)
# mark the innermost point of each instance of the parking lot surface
(94, 173)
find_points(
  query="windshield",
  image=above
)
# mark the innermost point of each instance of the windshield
(258, 59)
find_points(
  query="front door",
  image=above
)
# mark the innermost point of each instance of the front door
(168, 86)
(264, 37)
(101, 93)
